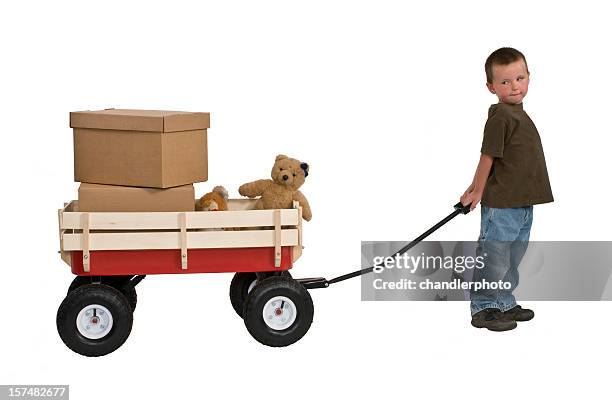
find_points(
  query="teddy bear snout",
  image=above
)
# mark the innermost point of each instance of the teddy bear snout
(213, 206)
(285, 177)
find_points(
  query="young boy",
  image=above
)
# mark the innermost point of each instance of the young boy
(510, 178)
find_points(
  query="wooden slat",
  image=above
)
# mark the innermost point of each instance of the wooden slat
(85, 241)
(171, 220)
(297, 249)
(183, 241)
(63, 254)
(61, 229)
(277, 238)
(296, 205)
(172, 240)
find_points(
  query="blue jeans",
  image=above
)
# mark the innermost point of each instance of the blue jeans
(503, 240)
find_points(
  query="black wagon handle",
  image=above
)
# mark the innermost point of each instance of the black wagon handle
(315, 283)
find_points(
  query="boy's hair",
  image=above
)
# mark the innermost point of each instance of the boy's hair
(503, 56)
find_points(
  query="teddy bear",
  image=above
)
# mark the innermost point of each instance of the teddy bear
(213, 201)
(288, 175)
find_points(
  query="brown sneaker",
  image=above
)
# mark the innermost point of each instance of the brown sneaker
(519, 314)
(493, 319)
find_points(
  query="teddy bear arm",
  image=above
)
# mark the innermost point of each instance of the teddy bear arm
(306, 212)
(254, 189)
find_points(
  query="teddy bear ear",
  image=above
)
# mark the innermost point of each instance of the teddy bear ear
(279, 157)
(305, 168)
(222, 191)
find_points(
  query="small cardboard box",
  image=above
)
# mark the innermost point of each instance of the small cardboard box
(96, 198)
(146, 148)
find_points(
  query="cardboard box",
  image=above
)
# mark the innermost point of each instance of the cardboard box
(96, 198)
(146, 148)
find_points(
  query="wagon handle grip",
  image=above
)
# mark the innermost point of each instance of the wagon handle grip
(463, 209)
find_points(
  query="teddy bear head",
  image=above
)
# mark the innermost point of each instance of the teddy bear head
(289, 172)
(213, 201)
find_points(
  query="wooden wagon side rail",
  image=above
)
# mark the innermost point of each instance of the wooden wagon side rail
(101, 231)
(172, 220)
(174, 240)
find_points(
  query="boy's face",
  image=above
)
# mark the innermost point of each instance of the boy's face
(510, 82)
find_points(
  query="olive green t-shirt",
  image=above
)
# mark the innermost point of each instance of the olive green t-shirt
(518, 176)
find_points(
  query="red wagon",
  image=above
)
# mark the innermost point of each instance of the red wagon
(110, 253)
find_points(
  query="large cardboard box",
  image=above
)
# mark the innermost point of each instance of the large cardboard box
(96, 198)
(146, 148)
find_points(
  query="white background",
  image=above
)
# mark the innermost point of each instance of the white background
(387, 103)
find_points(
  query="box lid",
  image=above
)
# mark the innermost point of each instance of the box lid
(140, 120)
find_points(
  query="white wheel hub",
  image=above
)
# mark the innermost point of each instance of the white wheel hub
(279, 313)
(94, 321)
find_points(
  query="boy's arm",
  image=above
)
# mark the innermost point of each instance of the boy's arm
(473, 194)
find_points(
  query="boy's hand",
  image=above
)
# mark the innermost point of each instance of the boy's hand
(471, 195)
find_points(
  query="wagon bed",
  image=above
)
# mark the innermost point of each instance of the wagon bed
(143, 243)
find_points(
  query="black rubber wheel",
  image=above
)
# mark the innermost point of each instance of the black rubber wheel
(94, 320)
(278, 311)
(117, 282)
(239, 287)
